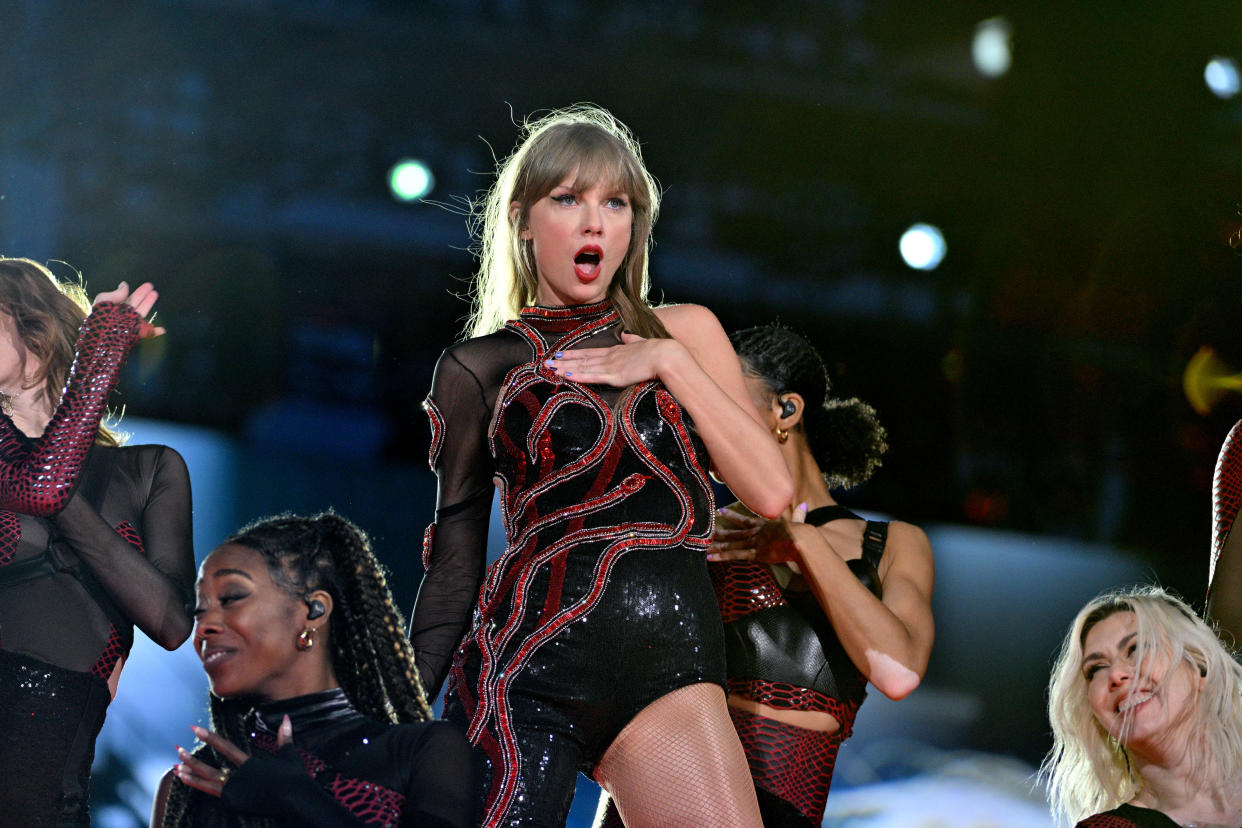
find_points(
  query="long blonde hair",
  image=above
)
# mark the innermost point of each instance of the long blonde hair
(1088, 771)
(581, 140)
(47, 313)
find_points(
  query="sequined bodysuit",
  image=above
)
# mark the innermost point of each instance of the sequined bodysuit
(782, 651)
(601, 602)
(101, 541)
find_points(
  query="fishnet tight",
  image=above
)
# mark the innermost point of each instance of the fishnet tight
(679, 762)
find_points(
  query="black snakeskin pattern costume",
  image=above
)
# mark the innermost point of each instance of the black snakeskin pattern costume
(783, 652)
(1128, 816)
(84, 518)
(601, 602)
(343, 769)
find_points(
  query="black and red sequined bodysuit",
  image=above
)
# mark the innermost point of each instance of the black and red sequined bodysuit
(601, 602)
(98, 539)
(343, 769)
(783, 652)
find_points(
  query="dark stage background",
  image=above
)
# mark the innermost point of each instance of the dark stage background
(237, 152)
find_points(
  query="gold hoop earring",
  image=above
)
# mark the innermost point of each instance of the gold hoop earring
(782, 436)
(306, 639)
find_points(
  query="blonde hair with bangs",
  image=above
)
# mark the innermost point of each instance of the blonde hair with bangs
(587, 142)
(1088, 771)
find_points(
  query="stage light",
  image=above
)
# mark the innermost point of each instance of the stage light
(1221, 76)
(410, 179)
(923, 247)
(990, 49)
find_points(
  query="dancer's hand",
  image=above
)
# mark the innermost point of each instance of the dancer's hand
(142, 300)
(635, 360)
(750, 538)
(210, 779)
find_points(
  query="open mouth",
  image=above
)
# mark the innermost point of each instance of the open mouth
(587, 262)
(1132, 701)
(212, 656)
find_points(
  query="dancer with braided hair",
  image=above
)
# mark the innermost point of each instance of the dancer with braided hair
(94, 537)
(318, 716)
(596, 642)
(818, 602)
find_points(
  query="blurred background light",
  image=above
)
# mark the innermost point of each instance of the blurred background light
(410, 179)
(922, 247)
(990, 49)
(1221, 76)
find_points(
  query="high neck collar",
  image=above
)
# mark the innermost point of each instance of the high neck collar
(305, 712)
(565, 317)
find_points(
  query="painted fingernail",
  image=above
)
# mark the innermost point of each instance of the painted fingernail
(549, 363)
(802, 505)
(558, 354)
(569, 373)
(198, 731)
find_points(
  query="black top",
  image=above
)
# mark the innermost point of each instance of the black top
(103, 537)
(344, 769)
(126, 529)
(773, 634)
(1125, 816)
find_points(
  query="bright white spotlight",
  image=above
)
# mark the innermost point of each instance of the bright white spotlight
(1221, 76)
(990, 49)
(922, 247)
(410, 179)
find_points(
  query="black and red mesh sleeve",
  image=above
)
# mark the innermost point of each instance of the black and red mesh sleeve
(37, 477)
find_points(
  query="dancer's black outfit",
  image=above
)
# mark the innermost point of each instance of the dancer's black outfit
(601, 603)
(1129, 816)
(343, 769)
(783, 652)
(98, 540)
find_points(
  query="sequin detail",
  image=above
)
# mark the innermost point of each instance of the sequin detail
(37, 476)
(429, 536)
(1226, 494)
(581, 488)
(437, 432)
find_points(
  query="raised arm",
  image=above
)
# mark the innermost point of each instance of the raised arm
(455, 545)
(37, 478)
(700, 369)
(151, 579)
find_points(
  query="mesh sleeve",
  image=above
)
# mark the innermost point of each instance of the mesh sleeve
(455, 546)
(37, 478)
(151, 581)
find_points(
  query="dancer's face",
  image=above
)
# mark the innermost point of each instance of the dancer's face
(246, 628)
(1142, 705)
(579, 239)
